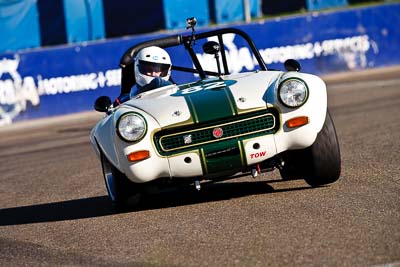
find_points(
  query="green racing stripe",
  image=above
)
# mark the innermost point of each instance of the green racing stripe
(209, 106)
(211, 101)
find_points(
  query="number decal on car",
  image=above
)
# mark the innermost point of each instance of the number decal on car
(208, 86)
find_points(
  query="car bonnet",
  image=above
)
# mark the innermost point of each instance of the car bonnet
(207, 100)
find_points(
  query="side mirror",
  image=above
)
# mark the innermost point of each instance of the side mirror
(292, 65)
(211, 48)
(102, 104)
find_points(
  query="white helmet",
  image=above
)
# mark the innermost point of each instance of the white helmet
(152, 62)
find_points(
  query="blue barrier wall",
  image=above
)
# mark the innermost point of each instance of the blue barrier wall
(321, 4)
(34, 23)
(19, 27)
(225, 11)
(54, 81)
(84, 20)
(177, 11)
(332, 41)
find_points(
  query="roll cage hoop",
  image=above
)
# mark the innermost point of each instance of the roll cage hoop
(127, 66)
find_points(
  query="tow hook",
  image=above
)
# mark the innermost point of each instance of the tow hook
(255, 171)
(197, 185)
(280, 164)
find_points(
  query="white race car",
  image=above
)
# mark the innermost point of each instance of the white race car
(218, 126)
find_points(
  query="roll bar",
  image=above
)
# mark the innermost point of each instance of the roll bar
(126, 62)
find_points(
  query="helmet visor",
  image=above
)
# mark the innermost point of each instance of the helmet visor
(153, 69)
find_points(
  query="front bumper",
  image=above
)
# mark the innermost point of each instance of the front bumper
(250, 139)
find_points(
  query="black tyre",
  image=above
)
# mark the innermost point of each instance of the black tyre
(319, 164)
(119, 187)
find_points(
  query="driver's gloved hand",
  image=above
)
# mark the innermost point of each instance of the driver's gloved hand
(157, 82)
(121, 99)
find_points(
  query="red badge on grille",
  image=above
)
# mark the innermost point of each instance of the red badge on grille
(217, 132)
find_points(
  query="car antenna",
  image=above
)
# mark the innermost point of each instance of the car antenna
(190, 24)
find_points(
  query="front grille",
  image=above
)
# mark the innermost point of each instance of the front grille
(254, 124)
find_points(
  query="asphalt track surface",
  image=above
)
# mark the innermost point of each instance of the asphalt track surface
(54, 210)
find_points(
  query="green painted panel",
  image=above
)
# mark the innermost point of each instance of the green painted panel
(222, 157)
(209, 100)
(209, 105)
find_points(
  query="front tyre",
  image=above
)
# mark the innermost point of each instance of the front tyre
(119, 187)
(319, 164)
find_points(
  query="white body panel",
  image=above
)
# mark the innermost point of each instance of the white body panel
(252, 91)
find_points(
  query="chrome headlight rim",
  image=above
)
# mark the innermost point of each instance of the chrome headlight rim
(140, 137)
(298, 80)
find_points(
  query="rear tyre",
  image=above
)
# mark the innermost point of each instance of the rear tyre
(319, 164)
(119, 187)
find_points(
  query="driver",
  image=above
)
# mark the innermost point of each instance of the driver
(152, 70)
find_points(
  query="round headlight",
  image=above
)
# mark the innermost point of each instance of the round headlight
(293, 93)
(131, 127)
